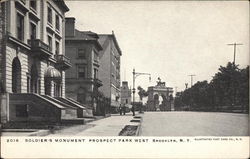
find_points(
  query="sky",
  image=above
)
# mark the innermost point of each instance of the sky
(169, 39)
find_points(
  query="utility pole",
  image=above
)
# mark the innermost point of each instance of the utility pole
(191, 79)
(232, 85)
(136, 74)
(186, 84)
(235, 44)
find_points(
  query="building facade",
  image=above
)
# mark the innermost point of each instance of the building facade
(109, 71)
(125, 94)
(82, 79)
(33, 61)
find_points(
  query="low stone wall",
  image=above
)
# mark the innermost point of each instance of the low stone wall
(69, 114)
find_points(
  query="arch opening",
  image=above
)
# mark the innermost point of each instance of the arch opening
(16, 75)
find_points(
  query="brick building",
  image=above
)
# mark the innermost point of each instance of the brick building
(109, 71)
(33, 62)
(82, 79)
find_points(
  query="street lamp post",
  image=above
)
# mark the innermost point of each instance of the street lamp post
(136, 74)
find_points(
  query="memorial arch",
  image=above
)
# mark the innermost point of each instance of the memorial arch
(160, 97)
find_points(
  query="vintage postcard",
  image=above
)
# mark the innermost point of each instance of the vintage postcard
(124, 79)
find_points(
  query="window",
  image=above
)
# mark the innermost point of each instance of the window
(39, 86)
(95, 73)
(95, 56)
(22, 110)
(81, 54)
(57, 47)
(49, 15)
(50, 43)
(81, 71)
(20, 27)
(33, 4)
(32, 31)
(28, 84)
(55, 92)
(57, 23)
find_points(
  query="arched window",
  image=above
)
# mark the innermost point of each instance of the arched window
(16, 76)
(156, 97)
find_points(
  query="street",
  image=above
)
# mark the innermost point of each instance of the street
(160, 124)
(194, 124)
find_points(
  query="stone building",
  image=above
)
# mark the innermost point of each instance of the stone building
(125, 94)
(160, 97)
(33, 62)
(82, 79)
(109, 71)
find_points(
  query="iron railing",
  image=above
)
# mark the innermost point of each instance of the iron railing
(62, 58)
(37, 43)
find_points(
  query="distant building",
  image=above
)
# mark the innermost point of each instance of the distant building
(82, 79)
(109, 71)
(125, 94)
(33, 62)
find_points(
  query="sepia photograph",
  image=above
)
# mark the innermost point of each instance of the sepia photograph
(156, 71)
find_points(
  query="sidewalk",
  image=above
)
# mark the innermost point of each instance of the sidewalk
(110, 126)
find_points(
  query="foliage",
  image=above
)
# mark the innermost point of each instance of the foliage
(228, 88)
(141, 92)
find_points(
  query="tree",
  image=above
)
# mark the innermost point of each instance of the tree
(142, 93)
(226, 84)
(243, 94)
(227, 91)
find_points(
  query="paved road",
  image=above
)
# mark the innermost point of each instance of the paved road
(194, 124)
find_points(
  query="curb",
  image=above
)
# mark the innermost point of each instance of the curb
(135, 122)
(138, 131)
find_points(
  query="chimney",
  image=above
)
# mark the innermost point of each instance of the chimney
(70, 26)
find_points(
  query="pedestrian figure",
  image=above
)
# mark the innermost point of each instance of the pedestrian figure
(133, 110)
(120, 109)
(124, 109)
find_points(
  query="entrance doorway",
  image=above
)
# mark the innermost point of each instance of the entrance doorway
(34, 80)
(53, 82)
(81, 96)
(57, 89)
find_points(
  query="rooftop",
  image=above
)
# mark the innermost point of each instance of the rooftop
(85, 36)
(114, 39)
